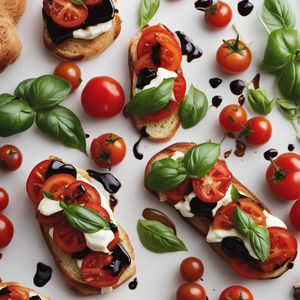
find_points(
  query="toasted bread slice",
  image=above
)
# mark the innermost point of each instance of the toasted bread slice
(163, 130)
(32, 292)
(202, 224)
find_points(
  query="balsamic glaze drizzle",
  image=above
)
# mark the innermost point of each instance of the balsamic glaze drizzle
(215, 82)
(133, 284)
(291, 147)
(58, 167)
(245, 7)
(271, 153)
(237, 87)
(110, 183)
(145, 77)
(202, 5)
(136, 152)
(36, 297)
(4, 291)
(241, 100)
(155, 55)
(216, 101)
(42, 275)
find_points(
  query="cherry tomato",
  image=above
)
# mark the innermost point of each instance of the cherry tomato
(95, 272)
(16, 293)
(257, 131)
(234, 57)
(283, 176)
(218, 15)
(177, 194)
(67, 14)
(191, 291)
(6, 231)
(10, 158)
(214, 185)
(108, 150)
(70, 72)
(236, 292)
(233, 117)
(4, 199)
(295, 215)
(92, 2)
(191, 269)
(102, 97)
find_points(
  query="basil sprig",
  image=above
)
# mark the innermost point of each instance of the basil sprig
(167, 173)
(158, 238)
(235, 194)
(258, 235)
(84, 219)
(148, 9)
(259, 101)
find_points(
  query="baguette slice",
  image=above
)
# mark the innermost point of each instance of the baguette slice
(68, 266)
(163, 130)
(33, 292)
(202, 224)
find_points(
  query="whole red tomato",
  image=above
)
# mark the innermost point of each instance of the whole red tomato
(236, 292)
(10, 158)
(233, 117)
(6, 231)
(191, 291)
(4, 199)
(295, 215)
(102, 97)
(191, 269)
(218, 15)
(283, 176)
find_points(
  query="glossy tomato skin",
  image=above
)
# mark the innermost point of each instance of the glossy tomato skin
(236, 292)
(232, 118)
(218, 15)
(234, 62)
(4, 199)
(70, 72)
(103, 97)
(10, 158)
(191, 291)
(191, 269)
(177, 194)
(92, 2)
(108, 150)
(17, 292)
(6, 231)
(295, 215)
(285, 183)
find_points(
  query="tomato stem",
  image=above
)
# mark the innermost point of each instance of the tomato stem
(264, 24)
(239, 35)
(279, 173)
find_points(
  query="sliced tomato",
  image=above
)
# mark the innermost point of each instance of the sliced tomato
(35, 181)
(244, 269)
(67, 14)
(46, 7)
(97, 208)
(114, 242)
(16, 293)
(67, 238)
(145, 61)
(223, 218)
(179, 87)
(176, 194)
(50, 220)
(95, 272)
(213, 186)
(92, 2)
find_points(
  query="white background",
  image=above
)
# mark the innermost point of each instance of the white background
(157, 274)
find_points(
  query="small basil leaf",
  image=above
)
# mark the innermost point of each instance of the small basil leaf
(15, 115)
(243, 222)
(48, 91)
(165, 175)
(278, 14)
(193, 108)
(48, 195)
(158, 238)
(259, 101)
(289, 108)
(200, 159)
(78, 2)
(151, 100)
(234, 193)
(148, 9)
(62, 124)
(260, 242)
(23, 89)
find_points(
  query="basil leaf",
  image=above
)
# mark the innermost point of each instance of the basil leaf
(48, 195)
(234, 193)
(23, 89)
(78, 2)
(63, 125)
(165, 175)
(260, 242)
(48, 91)
(243, 222)
(200, 159)
(278, 14)
(151, 100)
(84, 219)
(158, 238)
(15, 115)
(259, 101)
(193, 108)
(289, 108)
(148, 9)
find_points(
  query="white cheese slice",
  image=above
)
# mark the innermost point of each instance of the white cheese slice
(48, 207)
(91, 32)
(185, 206)
(98, 241)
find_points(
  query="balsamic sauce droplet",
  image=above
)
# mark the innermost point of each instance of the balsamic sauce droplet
(87, 135)
(216, 101)
(36, 297)
(203, 4)
(133, 284)
(113, 200)
(4, 291)
(241, 100)
(42, 275)
(245, 7)
(145, 77)
(227, 153)
(240, 148)
(291, 147)
(215, 82)
(256, 81)
(119, 253)
(58, 167)
(156, 54)
(136, 152)
(237, 86)
(271, 153)
(110, 183)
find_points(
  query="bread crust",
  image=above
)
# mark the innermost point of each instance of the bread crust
(200, 224)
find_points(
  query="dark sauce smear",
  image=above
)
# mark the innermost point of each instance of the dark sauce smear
(256, 81)
(215, 82)
(202, 209)
(234, 246)
(291, 147)
(241, 100)
(156, 54)
(42, 275)
(202, 5)
(4, 291)
(87, 135)
(145, 77)
(110, 183)
(120, 258)
(271, 153)
(245, 7)
(82, 254)
(230, 135)
(113, 227)
(227, 153)
(58, 167)
(188, 47)
(216, 101)
(113, 201)
(237, 86)
(36, 297)
(133, 284)
(136, 152)
(240, 148)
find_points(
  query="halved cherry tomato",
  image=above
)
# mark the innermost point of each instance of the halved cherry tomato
(236, 292)
(67, 14)
(16, 293)
(92, 2)
(95, 272)
(213, 186)
(176, 194)
(35, 181)
(67, 238)
(50, 220)
(224, 215)
(57, 185)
